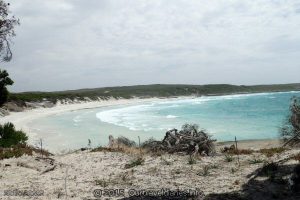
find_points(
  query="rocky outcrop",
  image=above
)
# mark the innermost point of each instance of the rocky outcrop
(13, 107)
(43, 104)
(3, 112)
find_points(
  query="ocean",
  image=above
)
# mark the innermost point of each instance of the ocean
(246, 116)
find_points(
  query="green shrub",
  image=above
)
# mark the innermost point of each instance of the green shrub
(228, 158)
(255, 161)
(9, 136)
(269, 169)
(4, 82)
(191, 160)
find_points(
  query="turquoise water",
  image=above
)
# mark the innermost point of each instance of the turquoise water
(250, 116)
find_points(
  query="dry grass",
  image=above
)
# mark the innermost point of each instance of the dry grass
(272, 151)
(122, 149)
(20, 150)
(204, 171)
(240, 151)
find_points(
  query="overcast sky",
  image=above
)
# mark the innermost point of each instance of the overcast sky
(71, 44)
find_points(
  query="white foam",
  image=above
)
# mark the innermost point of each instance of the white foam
(77, 119)
(148, 116)
(171, 116)
(128, 117)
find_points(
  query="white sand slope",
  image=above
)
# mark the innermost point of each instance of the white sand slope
(80, 173)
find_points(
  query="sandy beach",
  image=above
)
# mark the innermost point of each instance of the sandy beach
(21, 119)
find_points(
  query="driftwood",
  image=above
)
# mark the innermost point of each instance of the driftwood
(188, 140)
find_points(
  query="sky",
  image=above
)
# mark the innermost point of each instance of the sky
(72, 44)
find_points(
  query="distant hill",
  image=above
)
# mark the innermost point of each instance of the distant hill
(158, 90)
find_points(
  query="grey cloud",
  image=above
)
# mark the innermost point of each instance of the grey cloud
(69, 44)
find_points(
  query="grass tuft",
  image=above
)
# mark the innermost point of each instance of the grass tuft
(228, 158)
(191, 160)
(134, 163)
(255, 161)
(204, 171)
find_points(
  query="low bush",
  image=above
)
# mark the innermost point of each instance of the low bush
(191, 160)
(270, 152)
(296, 179)
(125, 141)
(20, 150)
(228, 158)
(9, 136)
(269, 169)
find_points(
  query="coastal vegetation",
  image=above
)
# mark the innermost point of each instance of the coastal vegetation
(9, 136)
(13, 143)
(7, 26)
(290, 132)
(4, 82)
(146, 91)
(193, 159)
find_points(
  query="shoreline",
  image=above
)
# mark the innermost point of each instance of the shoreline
(22, 119)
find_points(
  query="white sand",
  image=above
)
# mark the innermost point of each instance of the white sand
(88, 171)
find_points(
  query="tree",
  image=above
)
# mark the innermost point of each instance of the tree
(4, 81)
(290, 132)
(7, 26)
(9, 136)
